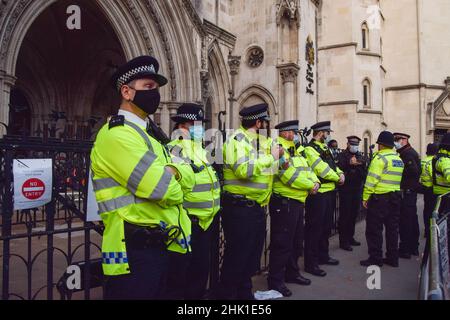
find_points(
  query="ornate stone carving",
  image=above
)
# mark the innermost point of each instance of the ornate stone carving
(289, 72)
(206, 90)
(142, 29)
(255, 57)
(234, 62)
(289, 9)
(192, 13)
(14, 17)
(165, 41)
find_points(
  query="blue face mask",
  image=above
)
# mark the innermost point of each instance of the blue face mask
(296, 139)
(196, 132)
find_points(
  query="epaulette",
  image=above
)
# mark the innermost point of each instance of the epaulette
(116, 121)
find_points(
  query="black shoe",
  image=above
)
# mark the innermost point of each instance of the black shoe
(330, 262)
(316, 271)
(391, 262)
(282, 289)
(299, 280)
(355, 243)
(404, 255)
(346, 247)
(370, 262)
(415, 253)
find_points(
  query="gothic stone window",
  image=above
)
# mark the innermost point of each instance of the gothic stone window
(366, 93)
(365, 36)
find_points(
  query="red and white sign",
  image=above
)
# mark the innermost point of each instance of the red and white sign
(33, 189)
(32, 183)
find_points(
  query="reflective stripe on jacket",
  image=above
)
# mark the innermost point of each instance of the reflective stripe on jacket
(298, 179)
(246, 171)
(204, 199)
(132, 183)
(321, 168)
(385, 174)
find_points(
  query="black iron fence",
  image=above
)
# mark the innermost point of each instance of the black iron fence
(37, 245)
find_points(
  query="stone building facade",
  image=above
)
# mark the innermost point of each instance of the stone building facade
(383, 65)
(366, 65)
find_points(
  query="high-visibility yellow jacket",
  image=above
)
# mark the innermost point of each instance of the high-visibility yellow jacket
(441, 171)
(247, 172)
(132, 183)
(204, 199)
(298, 179)
(385, 174)
(426, 177)
(329, 177)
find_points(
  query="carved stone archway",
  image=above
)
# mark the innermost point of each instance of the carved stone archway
(255, 94)
(439, 113)
(160, 28)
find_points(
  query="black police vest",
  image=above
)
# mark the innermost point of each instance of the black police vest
(434, 162)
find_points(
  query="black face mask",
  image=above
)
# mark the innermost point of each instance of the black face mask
(147, 100)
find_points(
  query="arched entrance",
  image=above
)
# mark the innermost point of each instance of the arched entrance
(67, 72)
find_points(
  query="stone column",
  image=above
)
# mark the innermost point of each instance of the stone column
(234, 62)
(289, 73)
(6, 83)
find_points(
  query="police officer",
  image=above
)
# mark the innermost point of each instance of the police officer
(292, 184)
(441, 177)
(382, 198)
(354, 166)
(138, 190)
(409, 221)
(320, 207)
(188, 274)
(426, 180)
(249, 158)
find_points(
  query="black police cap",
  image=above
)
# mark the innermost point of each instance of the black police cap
(322, 126)
(287, 126)
(255, 112)
(138, 68)
(189, 112)
(353, 140)
(401, 135)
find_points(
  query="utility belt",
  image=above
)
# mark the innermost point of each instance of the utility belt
(283, 200)
(194, 219)
(139, 237)
(238, 200)
(388, 196)
(408, 191)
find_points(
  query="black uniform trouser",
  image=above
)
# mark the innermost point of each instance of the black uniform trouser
(188, 273)
(429, 202)
(349, 207)
(286, 237)
(244, 230)
(383, 210)
(318, 223)
(409, 223)
(146, 281)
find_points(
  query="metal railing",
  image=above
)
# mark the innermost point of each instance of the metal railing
(37, 245)
(434, 272)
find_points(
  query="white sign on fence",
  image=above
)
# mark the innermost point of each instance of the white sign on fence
(32, 183)
(92, 206)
